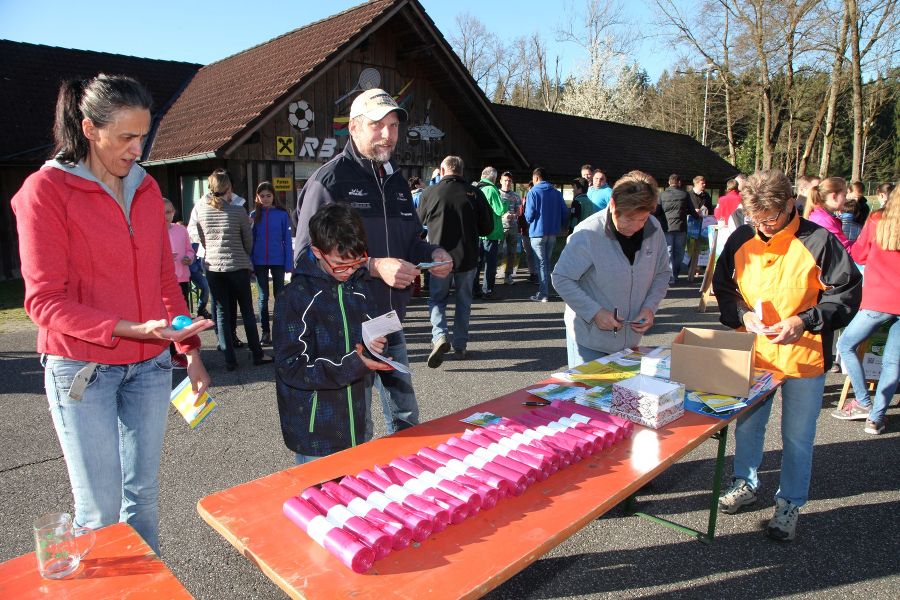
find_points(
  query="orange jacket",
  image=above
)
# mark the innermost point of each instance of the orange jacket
(802, 270)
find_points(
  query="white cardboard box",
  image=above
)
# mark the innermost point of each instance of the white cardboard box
(648, 401)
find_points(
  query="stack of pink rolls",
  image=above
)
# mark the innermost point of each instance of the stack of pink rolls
(364, 517)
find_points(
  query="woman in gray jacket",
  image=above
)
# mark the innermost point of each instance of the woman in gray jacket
(614, 272)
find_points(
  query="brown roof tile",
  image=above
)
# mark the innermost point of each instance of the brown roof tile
(562, 143)
(31, 74)
(250, 82)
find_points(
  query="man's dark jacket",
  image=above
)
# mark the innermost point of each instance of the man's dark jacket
(677, 205)
(452, 211)
(385, 204)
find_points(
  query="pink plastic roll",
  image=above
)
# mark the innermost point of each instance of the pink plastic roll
(341, 544)
(594, 442)
(448, 486)
(420, 524)
(489, 495)
(548, 460)
(401, 535)
(599, 415)
(458, 509)
(530, 473)
(551, 438)
(542, 466)
(339, 515)
(561, 457)
(503, 486)
(516, 479)
(587, 445)
(583, 423)
(440, 517)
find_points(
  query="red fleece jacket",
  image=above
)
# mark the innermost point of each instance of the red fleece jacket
(881, 281)
(85, 268)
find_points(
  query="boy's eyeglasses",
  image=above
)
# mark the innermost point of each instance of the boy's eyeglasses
(346, 266)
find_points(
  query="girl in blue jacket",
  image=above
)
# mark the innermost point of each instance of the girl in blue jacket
(272, 250)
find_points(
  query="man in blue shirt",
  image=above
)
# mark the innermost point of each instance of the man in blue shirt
(547, 214)
(599, 192)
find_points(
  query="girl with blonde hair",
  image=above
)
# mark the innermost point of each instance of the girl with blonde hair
(878, 248)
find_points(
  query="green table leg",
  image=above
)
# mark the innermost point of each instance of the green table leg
(706, 538)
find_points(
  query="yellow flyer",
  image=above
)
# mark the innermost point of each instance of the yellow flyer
(194, 409)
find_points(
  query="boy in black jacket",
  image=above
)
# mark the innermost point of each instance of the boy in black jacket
(323, 374)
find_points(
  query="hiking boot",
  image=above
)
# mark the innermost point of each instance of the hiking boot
(783, 525)
(852, 411)
(438, 350)
(874, 427)
(740, 494)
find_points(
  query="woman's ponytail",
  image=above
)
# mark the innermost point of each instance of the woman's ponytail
(71, 145)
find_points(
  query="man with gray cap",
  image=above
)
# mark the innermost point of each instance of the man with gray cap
(364, 177)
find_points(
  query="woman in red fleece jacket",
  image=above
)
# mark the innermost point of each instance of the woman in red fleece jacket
(103, 297)
(878, 248)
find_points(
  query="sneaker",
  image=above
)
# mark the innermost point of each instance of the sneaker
(783, 525)
(740, 494)
(263, 360)
(508, 280)
(461, 354)
(487, 295)
(439, 349)
(852, 411)
(874, 427)
(538, 298)
(204, 313)
(266, 339)
(179, 361)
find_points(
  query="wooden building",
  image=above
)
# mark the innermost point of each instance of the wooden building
(279, 110)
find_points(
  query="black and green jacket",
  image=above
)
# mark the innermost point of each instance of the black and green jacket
(320, 379)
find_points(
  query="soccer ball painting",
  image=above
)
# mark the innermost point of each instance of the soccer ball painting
(300, 115)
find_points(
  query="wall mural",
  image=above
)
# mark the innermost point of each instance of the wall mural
(425, 132)
(300, 115)
(369, 78)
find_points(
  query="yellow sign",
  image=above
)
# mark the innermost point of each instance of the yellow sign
(282, 184)
(284, 145)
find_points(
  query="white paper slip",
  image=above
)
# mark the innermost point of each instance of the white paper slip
(381, 326)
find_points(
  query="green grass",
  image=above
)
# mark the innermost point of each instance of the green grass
(12, 300)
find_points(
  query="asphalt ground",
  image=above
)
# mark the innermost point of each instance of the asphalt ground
(847, 541)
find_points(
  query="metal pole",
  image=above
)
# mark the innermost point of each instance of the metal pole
(705, 105)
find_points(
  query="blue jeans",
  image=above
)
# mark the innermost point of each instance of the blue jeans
(398, 399)
(230, 288)
(543, 254)
(864, 324)
(438, 293)
(112, 439)
(579, 354)
(530, 258)
(487, 262)
(199, 280)
(801, 402)
(302, 459)
(262, 286)
(675, 242)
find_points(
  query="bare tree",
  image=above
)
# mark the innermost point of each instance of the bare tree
(775, 31)
(869, 22)
(476, 48)
(837, 84)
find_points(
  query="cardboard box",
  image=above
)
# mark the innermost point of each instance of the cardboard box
(647, 401)
(718, 362)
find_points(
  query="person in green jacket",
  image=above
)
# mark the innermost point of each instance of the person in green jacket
(490, 244)
(582, 207)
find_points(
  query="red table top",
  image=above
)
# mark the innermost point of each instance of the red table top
(120, 564)
(465, 560)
